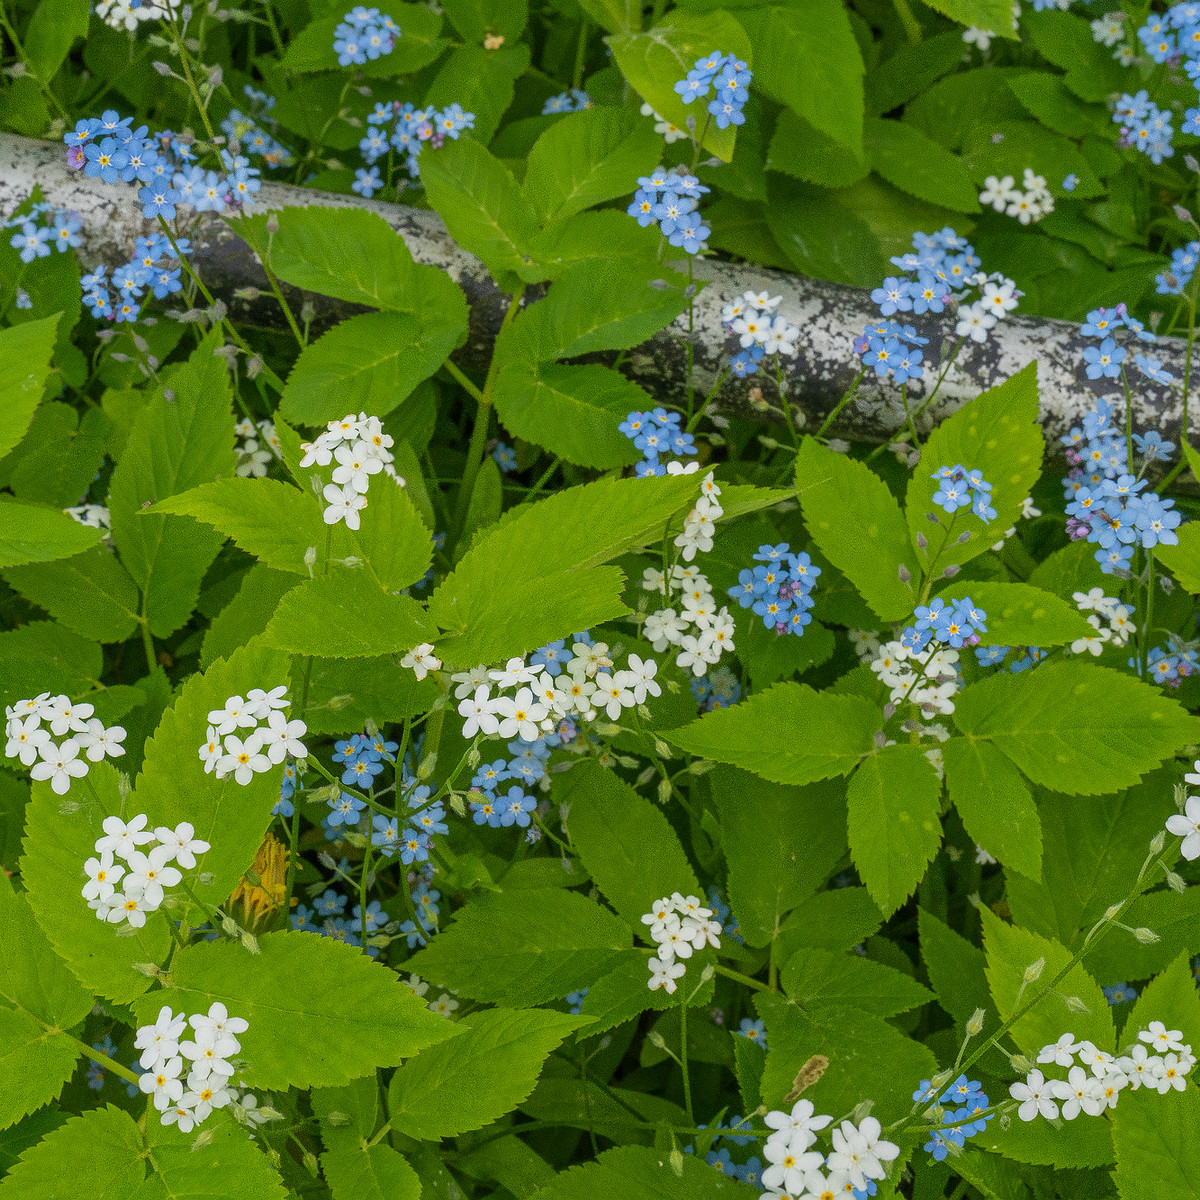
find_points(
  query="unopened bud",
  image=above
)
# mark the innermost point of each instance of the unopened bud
(1146, 936)
(1182, 213)
(150, 970)
(646, 775)
(975, 1024)
(952, 570)
(229, 927)
(932, 517)
(254, 366)
(664, 791)
(676, 1155)
(310, 558)
(964, 537)
(68, 808)
(273, 1156)
(1111, 913)
(922, 541)
(1190, 162)
(310, 1164)
(203, 1139)
(1033, 972)
(656, 1040)
(889, 710)
(124, 786)
(808, 1074)
(458, 804)
(879, 739)
(206, 878)
(1020, 1064)
(1075, 1005)
(428, 765)
(355, 839)
(339, 702)
(701, 766)
(1160, 840)
(162, 68)
(662, 749)
(904, 573)
(1175, 882)
(708, 972)
(308, 310)
(273, 223)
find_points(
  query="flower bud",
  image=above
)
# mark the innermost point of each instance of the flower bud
(206, 878)
(458, 805)
(644, 776)
(124, 786)
(68, 808)
(337, 703)
(701, 766)
(904, 573)
(203, 1138)
(952, 570)
(1146, 936)
(964, 537)
(922, 541)
(310, 1164)
(676, 1153)
(975, 1024)
(1020, 1064)
(1075, 1005)
(1175, 882)
(708, 972)
(664, 791)
(428, 765)
(229, 927)
(150, 970)
(662, 749)
(656, 1040)
(1160, 840)
(1034, 970)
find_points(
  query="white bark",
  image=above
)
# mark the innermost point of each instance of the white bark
(830, 316)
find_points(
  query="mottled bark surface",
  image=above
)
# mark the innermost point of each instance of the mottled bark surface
(830, 316)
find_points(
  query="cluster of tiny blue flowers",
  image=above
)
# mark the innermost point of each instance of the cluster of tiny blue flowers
(1119, 993)
(411, 129)
(1107, 503)
(994, 656)
(1169, 667)
(729, 76)
(656, 434)
(34, 239)
(364, 33)
(724, 915)
(501, 806)
(718, 690)
(249, 132)
(779, 589)
(327, 917)
(953, 1113)
(576, 100)
(668, 199)
(959, 487)
(749, 1172)
(1178, 275)
(1145, 126)
(957, 623)
(1107, 360)
(154, 266)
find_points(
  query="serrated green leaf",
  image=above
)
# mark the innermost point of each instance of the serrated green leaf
(996, 16)
(482, 81)
(916, 164)
(955, 967)
(1158, 1155)
(346, 614)
(475, 19)
(175, 445)
(321, 1012)
(1076, 728)
(1171, 998)
(787, 734)
(589, 157)
(478, 1076)
(1068, 1145)
(857, 523)
(622, 994)
(1021, 615)
(1183, 560)
(393, 538)
(524, 947)
(641, 1173)
(627, 845)
(804, 152)
(32, 534)
(997, 434)
(370, 1173)
(57, 844)
(893, 802)
(229, 1165)
(25, 353)
(247, 614)
(817, 980)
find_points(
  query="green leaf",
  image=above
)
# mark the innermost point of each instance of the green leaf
(804, 152)
(478, 1076)
(321, 1013)
(838, 919)
(857, 523)
(956, 969)
(1067, 1145)
(482, 82)
(229, 1165)
(1076, 728)
(653, 61)
(98, 1154)
(357, 1107)
(483, 208)
(57, 843)
(1027, 143)
(1010, 951)
(1183, 560)
(809, 60)
(51, 32)
(511, 1163)
(176, 444)
(589, 157)
(627, 845)
(1066, 40)
(893, 802)
(787, 734)
(247, 614)
(32, 534)
(43, 656)
(346, 614)
(1158, 1155)
(622, 994)
(1171, 998)
(996, 16)
(173, 785)
(370, 1173)
(393, 538)
(916, 164)
(524, 947)
(475, 19)
(995, 804)
(817, 979)
(997, 434)
(1049, 99)
(1021, 615)
(641, 1173)
(781, 843)
(25, 353)
(90, 593)
(312, 48)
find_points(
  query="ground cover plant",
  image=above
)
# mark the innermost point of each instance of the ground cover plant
(438, 775)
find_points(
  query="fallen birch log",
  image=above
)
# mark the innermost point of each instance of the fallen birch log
(830, 316)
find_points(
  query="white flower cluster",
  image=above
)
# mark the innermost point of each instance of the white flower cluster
(928, 677)
(798, 1172)
(542, 700)
(1096, 1082)
(129, 14)
(94, 516)
(864, 643)
(701, 630)
(361, 449)
(145, 873)
(678, 925)
(670, 133)
(32, 725)
(187, 1100)
(998, 296)
(253, 458)
(1101, 608)
(1187, 823)
(254, 747)
(1032, 204)
(753, 318)
(1109, 29)
(700, 523)
(421, 660)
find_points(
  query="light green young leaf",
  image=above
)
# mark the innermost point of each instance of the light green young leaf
(32, 534)
(230, 1165)
(393, 538)
(175, 445)
(996, 16)
(524, 947)
(857, 523)
(641, 1173)
(482, 81)
(589, 157)
(819, 981)
(1021, 615)
(1158, 1154)
(1076, 728)
(52, 30)
(1171, 998)
(627, 845)
(995, 804)
(916, 164)
(370, 1173)
(486, 1071)
(321, 1013)
(25, 353)
(1183, 560)
(893, 803)
(346, 614)
(787, 734)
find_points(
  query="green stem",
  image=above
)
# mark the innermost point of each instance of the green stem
(147, 640)
(683, 1062)
(737, 976)
(98, 1056)
(837, 408)
(577, 76)
(190, 80)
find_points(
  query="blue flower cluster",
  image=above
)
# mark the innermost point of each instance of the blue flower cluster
(779, 589)
(729, 76)
(330, 907)
(956, 624)
(1178, 275)
(364, 33)
(249, 131)
(425, 901)
(155, 265)
(957, 1105)
(575, 1000)
(1145, 126)
(501, 807)
(657, 433)
(1107, 503)
(576, 100)
(34, 240)
(992, 656)
(959, 487)
(1169, 667)
(724, 915)
(411, 129)
(1108, 359)
(718, 689)
(669, 199)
